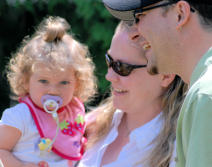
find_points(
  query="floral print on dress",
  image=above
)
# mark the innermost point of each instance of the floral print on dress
(67, 128)
(70, 129)
(80, 123)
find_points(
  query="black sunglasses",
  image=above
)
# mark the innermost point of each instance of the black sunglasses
(141, 10)
(123, 69)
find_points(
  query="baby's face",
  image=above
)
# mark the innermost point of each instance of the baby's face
(50, 81)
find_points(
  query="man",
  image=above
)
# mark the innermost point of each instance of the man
(179, 32)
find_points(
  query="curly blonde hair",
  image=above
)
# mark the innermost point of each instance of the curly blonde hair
(104, 115)
(53, 45)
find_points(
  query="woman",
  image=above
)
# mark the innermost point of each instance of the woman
(136, 126)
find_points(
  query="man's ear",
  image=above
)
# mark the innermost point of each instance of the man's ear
(183, 10)
(166, 79)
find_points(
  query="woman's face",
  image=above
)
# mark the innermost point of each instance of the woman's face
(138, 89)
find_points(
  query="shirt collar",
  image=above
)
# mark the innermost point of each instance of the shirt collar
(118, 114)
(201, 66)
(138, 135)
(150, 129)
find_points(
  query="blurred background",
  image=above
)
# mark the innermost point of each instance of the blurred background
(90, 23)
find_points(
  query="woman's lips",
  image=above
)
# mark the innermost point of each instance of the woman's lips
(119, 91)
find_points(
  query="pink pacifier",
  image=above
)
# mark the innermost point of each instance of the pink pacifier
(51, 104)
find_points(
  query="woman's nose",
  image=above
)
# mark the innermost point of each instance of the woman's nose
(136, 37)
(111, 75)
(133, 33)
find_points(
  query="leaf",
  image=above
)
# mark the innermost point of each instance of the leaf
(63, 125)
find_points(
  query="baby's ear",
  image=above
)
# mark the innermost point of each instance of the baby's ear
(26, 85)
(76, 91)
(167, 79)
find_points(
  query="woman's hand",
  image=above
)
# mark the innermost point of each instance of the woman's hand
(43, 164)
(40, 164)
(30, 165)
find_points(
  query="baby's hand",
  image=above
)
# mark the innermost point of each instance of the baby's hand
(43, 164)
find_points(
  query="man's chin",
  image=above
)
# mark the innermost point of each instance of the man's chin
(152, 70)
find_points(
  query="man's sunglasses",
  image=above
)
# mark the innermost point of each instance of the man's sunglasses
(123, 69)
(141, 10)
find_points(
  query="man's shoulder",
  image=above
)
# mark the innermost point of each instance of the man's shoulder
(203, 86)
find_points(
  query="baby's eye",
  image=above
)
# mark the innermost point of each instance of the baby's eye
(43, 81)
(64, 82)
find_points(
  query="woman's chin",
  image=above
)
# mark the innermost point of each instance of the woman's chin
(119, 104)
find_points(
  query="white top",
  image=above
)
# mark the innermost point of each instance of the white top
(137, 148)
(26, 148)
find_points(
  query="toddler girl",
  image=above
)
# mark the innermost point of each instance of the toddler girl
(52, 75)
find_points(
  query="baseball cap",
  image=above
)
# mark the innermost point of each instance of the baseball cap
(124, 9)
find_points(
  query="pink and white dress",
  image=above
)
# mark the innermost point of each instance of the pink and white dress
(35, 124)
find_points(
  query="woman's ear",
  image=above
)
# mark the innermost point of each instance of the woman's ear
(166, 79)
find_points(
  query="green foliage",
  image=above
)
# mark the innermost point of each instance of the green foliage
(90, 23)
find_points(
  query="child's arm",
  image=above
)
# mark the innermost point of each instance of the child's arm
(9, 138)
